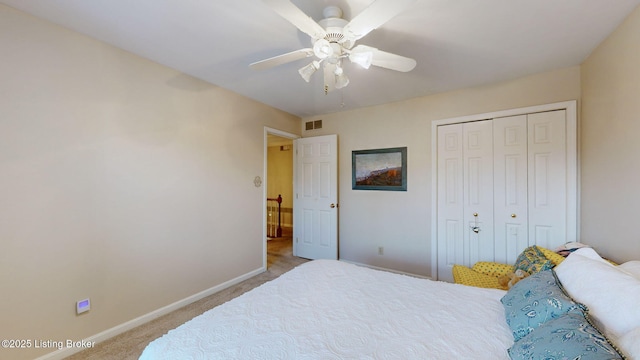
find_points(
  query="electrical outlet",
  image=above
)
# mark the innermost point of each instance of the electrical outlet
(380, 250)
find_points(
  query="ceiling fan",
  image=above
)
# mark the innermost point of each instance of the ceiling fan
(333, 40)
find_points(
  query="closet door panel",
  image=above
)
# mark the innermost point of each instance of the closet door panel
(510, 187)
(450, 200)
(547, 178)
(478, 192)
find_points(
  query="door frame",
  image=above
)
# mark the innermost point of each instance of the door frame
(271, 131)
(573, 184)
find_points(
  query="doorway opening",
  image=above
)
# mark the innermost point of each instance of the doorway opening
(278, 195)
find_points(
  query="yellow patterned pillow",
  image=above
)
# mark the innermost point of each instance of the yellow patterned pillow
(464, 275)
(492, 268)
(555, 258)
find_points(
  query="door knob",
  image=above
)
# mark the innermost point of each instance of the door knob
(513, 215)
(332, 206)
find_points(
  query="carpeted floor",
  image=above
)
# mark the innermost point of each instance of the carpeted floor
(129, 345)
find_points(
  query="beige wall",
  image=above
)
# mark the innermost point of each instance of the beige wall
(610, 146)
(401, 221)
(120, 180)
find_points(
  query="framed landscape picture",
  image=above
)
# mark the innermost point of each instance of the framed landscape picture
(379, 169)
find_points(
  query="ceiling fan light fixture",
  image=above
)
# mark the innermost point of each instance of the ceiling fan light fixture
(363, 59)
(309, 70)
(322, 49)
(333, 39)
(341, 81)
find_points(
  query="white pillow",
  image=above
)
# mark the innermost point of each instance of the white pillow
(610, 293)
(629, 344)
(632, 267)
(591, 254)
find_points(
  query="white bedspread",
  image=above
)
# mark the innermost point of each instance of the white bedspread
(333, 310)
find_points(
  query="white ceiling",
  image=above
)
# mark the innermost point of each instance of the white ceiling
(457, 43)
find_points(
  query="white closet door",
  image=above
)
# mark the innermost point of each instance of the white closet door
(510, 187)
(547, 178)
(450, 200)
(465, 195)
(478, 192)
(517, 172)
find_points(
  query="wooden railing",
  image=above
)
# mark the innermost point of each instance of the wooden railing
(274, 228)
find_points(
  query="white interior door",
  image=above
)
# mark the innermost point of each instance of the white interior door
(316, 198)
(465, 195)
(548, 179)
(478, 191)
(450, 200)
(510, 187)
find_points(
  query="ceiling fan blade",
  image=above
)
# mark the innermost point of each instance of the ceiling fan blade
(281, 59)
(387, 60)
(297, 17)
(329, 77)
(376, 14)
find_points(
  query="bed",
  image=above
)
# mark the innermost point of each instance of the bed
(328, 309)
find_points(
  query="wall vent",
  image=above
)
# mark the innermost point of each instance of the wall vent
(310, 125)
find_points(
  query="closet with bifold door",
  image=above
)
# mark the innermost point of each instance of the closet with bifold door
(503, 184)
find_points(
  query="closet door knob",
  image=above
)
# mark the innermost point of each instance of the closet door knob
(513, 215)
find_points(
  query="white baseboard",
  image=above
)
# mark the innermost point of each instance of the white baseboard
(119, 329)
(388, 270)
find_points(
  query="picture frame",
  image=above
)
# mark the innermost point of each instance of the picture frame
(379, 169)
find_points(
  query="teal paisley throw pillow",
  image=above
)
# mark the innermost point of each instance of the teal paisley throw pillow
(567, 337)
(532, 260)
(535, 300)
